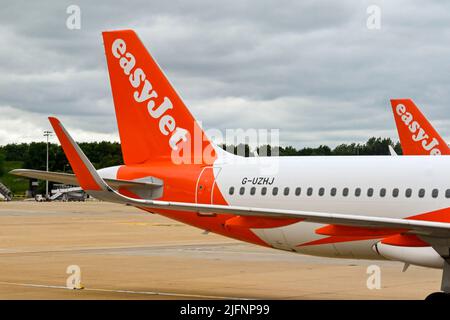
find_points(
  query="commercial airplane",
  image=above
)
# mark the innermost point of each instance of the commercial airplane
(417, 135)
(382, 207)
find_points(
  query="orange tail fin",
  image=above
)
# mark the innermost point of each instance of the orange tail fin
(153, 121)
(417, 135)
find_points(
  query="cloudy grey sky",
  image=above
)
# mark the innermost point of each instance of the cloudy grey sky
(310, 68)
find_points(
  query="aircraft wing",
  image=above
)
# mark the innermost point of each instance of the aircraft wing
(60, 177)
(68, 178)
(418, 227)
(93, 184)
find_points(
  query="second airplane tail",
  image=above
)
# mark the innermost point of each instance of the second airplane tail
(154, 123)
(417, 135)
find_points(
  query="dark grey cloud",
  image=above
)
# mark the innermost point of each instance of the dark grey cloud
(310, 68)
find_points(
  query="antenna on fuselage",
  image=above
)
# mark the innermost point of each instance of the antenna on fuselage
(392, 151)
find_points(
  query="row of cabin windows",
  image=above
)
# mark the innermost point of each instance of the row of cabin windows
(345, 192)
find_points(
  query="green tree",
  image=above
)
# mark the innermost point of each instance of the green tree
(15, 152)
(323, 150)
(288, 151)
(377, 146)
(35, 157)
(2, 162)
(398, 148)
(346, 149)
(106, 154)
(267, 150)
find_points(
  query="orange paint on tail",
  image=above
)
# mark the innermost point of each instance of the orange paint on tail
(154, 123)
(417, 135)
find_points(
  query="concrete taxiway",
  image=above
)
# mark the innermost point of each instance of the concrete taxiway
(125, 253)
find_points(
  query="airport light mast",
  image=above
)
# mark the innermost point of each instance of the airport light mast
(47, 134)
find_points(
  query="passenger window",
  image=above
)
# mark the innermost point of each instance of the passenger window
(408, 193)
(309, 192)
(345, 192)
(357, 192)
(370, 192)
(321, 191)
(421, 193)
(263, 191)
(241, 191)
(231, 192)
(382, 192)
(333, 192)
(286, 191)
(447, 193)
(253, 191)
(435, 193)
(275, 191)
(298, 191)
(395, 192)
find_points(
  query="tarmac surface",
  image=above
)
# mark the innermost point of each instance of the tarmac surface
(125, 253)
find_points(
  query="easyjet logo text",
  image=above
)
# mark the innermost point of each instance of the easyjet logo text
(418, 134)
(146, 94)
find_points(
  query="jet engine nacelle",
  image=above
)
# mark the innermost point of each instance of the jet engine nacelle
(420, 256)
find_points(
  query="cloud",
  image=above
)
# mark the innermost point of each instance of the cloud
(23, 126)
(309, 68)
